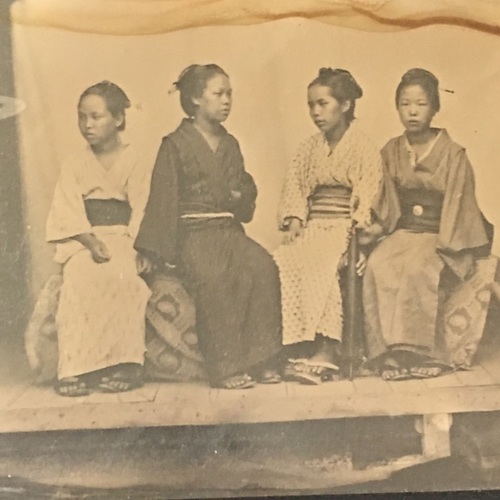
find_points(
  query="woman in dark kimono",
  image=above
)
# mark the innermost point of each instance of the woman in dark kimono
(436, 234)
(200, 196)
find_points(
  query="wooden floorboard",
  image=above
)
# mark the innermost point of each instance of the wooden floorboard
(368, 385)
(448, 380)
(477, 376)
(407, 385)
(25, 407)
(37, 410)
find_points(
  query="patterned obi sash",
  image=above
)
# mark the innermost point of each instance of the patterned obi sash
(108, 212)
(330, 202)
(420, 210)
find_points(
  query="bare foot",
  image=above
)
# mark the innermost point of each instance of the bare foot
(327, 353)
(426, 371)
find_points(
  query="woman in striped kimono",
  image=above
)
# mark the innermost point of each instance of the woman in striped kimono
(200, 196)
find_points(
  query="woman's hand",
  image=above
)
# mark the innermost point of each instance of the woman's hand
(369, 234)
(97, 248)
(144, 265)
(99, 251)
(293, 231)
(361, 264)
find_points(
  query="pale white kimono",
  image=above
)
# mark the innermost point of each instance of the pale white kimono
(101, 314)
(310, 290)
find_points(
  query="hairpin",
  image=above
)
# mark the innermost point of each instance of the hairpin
(174, 88)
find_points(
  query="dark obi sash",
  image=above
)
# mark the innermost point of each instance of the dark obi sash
(330, 202)
(108, 212)
(420, 210)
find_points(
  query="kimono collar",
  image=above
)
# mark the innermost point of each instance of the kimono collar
(187, 125)
(126, 149)
(346, 140)
(412, 155)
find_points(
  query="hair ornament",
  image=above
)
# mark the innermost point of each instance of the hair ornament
(174, 88)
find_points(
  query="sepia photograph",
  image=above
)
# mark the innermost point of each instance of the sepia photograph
(248, 250)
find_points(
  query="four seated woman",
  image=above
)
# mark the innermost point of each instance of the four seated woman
(419, 203)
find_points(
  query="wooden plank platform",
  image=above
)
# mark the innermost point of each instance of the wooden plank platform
(27, 408)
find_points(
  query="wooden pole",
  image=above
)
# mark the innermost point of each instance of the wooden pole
(352, 310)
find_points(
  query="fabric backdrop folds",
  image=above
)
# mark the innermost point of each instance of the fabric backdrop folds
(146, 17)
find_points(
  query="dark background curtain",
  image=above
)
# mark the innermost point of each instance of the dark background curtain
(14, 300)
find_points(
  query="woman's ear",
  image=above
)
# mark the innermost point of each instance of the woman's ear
(346, 105)
(119, 120)
(195, 101)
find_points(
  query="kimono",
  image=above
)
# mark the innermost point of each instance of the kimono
(311, 294)
(100, 317)
(197, 202)
(437, 233)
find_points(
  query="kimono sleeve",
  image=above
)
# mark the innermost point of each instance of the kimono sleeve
(138, 192)
(243, 205)
(463, 229)
(67, 217)
(294, 194)
(157, 236)
(386, 203)
(245, 208)
(366, 181)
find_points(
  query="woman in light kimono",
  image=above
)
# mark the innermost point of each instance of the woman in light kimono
(200, 196)
(330, 185)
(97, 207)
(436, 233)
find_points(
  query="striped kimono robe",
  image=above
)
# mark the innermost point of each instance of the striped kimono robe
(233, 281)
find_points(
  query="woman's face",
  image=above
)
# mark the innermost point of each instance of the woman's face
(415, 109)
(95, 121)
(214, 105)
(326, 112)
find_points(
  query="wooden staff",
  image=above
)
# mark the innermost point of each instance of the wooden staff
(353, 313)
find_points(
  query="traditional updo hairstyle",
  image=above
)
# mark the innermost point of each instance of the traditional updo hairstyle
(192, 82)
(116, 99)
(426, 80)
(343, 87)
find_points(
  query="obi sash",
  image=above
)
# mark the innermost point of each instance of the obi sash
(420, 210)
(108, 212)
(330, 202)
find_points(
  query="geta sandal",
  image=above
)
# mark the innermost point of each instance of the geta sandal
(242, 381)
(119, 382)
(71, 387)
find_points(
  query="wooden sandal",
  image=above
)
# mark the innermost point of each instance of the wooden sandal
(242, 381)
(119, 382)
(427, 370)
(310, 372)
(269, 377)
(72, 387)
(392, 371)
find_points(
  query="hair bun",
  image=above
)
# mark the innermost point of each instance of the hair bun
(420, 74)
(325, 72)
